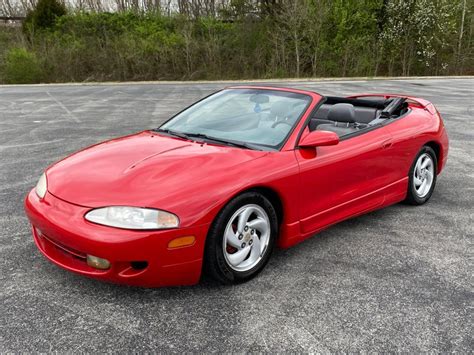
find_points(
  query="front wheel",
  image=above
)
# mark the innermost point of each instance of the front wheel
(241, 239)
(422, 177)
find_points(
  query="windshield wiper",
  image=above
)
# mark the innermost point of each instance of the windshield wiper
(190, 136)
(224, 141)
(173, 133)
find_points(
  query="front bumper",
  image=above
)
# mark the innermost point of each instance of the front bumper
(139, 258)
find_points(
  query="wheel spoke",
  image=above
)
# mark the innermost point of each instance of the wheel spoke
(417, 181)
(418, 168)
(258, 245)
(422, 187)
(243, 219)
(425, 162)
(258, 224)
(239, 256)
(429, 174)
(232, 239)
(256, 251)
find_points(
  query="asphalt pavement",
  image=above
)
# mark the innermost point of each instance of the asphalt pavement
(398, 279)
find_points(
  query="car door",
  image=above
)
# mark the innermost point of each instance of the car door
(343, 180)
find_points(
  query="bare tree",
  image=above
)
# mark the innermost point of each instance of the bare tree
(461, 32)
(152, 5)
(290, 20)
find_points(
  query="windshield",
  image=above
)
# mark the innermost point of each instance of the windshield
(253, 116)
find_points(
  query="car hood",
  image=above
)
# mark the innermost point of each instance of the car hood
(145, 170)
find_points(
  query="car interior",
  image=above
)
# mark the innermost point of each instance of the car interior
(266, 119)
(346, 116)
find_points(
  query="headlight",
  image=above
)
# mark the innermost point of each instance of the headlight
(41, 186)
(132, 218)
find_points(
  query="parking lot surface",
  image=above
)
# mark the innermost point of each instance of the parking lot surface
(398, 279)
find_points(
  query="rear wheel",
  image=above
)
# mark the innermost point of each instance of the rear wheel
(241, 238)
(422, 178)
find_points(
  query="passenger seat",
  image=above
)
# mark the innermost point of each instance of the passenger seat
(343, 116)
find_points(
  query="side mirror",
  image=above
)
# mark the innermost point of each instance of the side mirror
(318, 139)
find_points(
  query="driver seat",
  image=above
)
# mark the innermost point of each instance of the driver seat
(279, 111)
(343, 116)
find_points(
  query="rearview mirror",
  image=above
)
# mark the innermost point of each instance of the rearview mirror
(259, 98)
(319, 138)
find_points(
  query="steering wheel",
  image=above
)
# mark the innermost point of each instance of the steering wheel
(281, 122)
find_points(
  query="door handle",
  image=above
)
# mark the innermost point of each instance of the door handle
(387, 144)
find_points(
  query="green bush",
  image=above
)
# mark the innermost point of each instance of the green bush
(21, 67)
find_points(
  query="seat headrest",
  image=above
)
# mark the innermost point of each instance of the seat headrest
(342, 113)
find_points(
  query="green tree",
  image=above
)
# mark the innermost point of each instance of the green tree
(354, 23)
(44, 15)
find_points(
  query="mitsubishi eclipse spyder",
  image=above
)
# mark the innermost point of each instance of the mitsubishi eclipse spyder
(215, 188)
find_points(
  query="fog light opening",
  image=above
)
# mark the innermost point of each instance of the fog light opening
(139, 265)
(98, 263)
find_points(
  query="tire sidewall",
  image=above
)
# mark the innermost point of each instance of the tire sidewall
(412, 195)
(214, 256)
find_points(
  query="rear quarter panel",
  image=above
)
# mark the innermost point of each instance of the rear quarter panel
(411, 132)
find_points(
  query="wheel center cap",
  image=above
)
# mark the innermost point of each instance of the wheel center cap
(247, 236)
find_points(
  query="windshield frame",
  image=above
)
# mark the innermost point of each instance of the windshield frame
(278, 147)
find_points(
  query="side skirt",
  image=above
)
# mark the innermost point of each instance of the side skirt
(293, 233)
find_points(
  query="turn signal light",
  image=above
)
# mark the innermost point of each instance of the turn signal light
(98, 263)
(181, 242)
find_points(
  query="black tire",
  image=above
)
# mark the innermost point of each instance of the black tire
(412, 197)
(215, 264)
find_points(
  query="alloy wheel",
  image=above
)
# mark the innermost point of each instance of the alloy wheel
(423, 175)
(246, 237)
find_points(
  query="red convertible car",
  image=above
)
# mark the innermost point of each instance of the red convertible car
(221, 183)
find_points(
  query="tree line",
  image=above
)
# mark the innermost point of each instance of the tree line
(92, 40)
